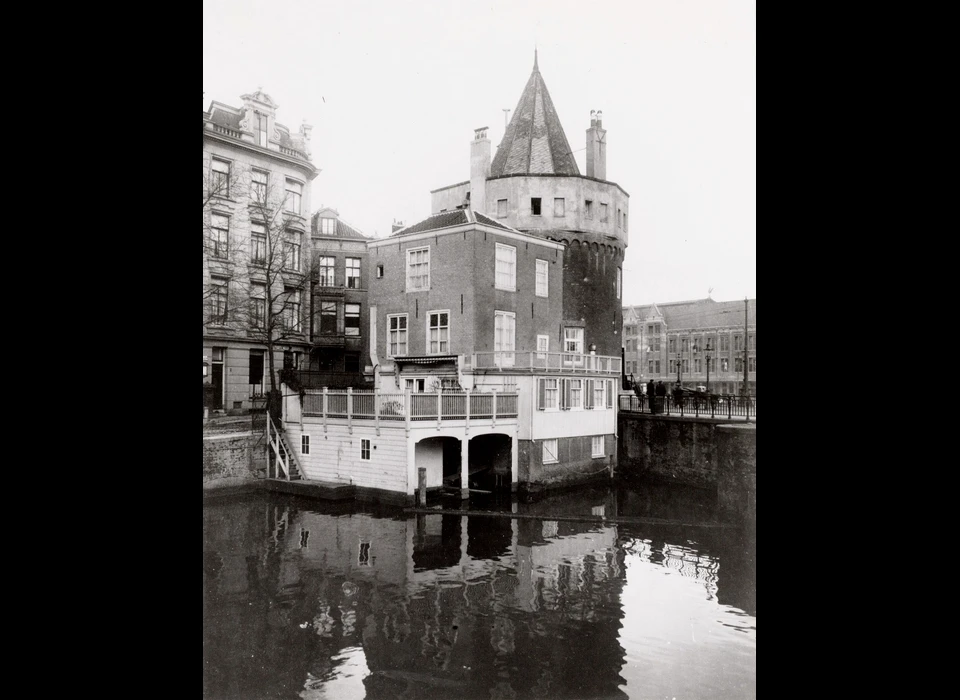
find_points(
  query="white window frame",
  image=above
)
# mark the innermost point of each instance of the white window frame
(365, 447)
(543, 273)
(509, 284)
(258, 234)
(572, 357)
(322, 278)
(551, 449)
(405, 331)
(594, 450)
(222, 173)
(351, 332)
(504, 347)
(550, 388)
(599, 393)
(440, 341)
(291, 311)
(348, 269)
(304, 444)
(543, 346)
(260, 182)
(426, 261)
(328, 226)
(579, 384)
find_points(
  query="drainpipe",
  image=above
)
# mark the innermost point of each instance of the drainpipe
(373, 348)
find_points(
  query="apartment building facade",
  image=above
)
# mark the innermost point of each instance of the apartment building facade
(256, 235)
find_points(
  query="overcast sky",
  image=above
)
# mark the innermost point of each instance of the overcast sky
(395, 89)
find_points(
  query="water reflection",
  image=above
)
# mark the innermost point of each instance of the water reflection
(302, 601)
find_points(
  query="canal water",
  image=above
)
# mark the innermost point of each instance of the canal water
(306, 599)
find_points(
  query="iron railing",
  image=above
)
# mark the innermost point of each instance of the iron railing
(713, 406)
(409, 406)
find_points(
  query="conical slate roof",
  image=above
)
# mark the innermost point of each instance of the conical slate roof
(534, 142)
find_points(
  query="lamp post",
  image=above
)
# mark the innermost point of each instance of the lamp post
(709, 350)
(678, 368)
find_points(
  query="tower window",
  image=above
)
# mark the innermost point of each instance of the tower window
(588, 209)
(535, 206)
(501, 207)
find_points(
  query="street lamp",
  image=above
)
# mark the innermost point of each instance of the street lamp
(678, 368)
(707, 350)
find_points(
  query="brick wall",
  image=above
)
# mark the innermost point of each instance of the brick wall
(232, 459)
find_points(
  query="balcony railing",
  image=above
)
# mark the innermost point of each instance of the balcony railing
(409, 406)
(226, 131)
(544, 362)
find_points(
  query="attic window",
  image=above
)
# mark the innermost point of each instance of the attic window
(535, 206)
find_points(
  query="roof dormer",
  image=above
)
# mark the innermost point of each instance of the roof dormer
(259, 118)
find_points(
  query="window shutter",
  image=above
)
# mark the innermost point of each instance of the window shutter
(609, 393)
(542, 390)
(564, 393)
(588, 394)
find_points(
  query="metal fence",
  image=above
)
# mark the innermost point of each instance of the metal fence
(369, 405)
(714, 406)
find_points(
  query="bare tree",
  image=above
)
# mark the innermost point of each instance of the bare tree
(258, 276)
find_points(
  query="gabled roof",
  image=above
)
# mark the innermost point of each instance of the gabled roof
(446, 219)
(701, 313)
(534, 142)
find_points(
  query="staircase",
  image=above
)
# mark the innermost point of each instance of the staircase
(282, 462)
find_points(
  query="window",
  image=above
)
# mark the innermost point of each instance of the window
(328, 318)
(379, 271)
(738, 364)
(259, 187)
(684, 345)
(294, 193)
(573, 340)
(596, 447)
(325, 267)
(304, 444)
(558, 206)
(501, 207)
(256, 373)
(218, 300)
(724, 343)
(351, 319)
(618, 283)
(550, 451)
(220, 178)
(258, 244)
(438, 332)
(672, 345)
(598, 398)
(418, 269)
(397, 335)
(657, 363)
(365, 450)
(543, 277)
(543, 346)
(505, 325)
(262, 120)
(603, 212)
(738, 342)
(506, 267)
(291, 252)
(724, 364)
(328, 226)
(650, 367)
(619, 218)
(752, 340)
(588, 209)
(353, 273)
(686, 366)
(572, 396)
(219, 235)
(535, 206)
(363, 559)
(547, 392)
(258, 305)
(752, 364)
(291, 310)
(698, 366)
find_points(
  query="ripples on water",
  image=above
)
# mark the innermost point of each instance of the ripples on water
(307, 600)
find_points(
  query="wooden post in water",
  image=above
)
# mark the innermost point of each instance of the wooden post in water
(422, 487)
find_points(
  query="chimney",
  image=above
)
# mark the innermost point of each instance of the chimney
(395, 226)
(479, 169)
(596, 147)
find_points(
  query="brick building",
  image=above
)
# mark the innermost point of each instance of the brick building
(656, 336)
(256, 199)
(339, 339)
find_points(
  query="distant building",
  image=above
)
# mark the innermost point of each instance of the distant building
(339, 326)
(256, 200)
(655, 336)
